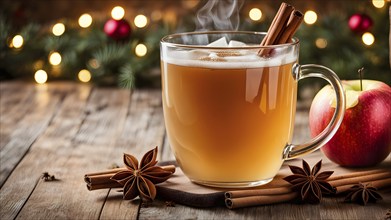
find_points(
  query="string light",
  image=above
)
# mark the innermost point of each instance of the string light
(40, 76)
(54, 58)
(141, 50)
(378, 3)
(17, 41)
(310, 17)
(368, 38)
(140, 21)
(255, 14)
(85, 20)
(321, 43)
(117, 13)
(58, 29)
(84, 75)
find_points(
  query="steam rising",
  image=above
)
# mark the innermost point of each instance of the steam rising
(219, 15)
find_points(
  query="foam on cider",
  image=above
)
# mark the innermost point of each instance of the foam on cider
(227, 59)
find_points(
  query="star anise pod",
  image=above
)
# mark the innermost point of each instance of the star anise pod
(170, 203)
(362, 193)
(388, 215)
(310, 183)
(47, 177)
(139, 179)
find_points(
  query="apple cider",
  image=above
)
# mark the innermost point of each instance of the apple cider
(228, 121)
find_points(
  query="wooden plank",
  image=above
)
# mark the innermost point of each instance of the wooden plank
(159, 208)
(12, 94)
(335, 208)
(144, 129)
(15, 102)
(278, 211)
(330, 208)
(33, 121)
(94, 132)
(21, 183)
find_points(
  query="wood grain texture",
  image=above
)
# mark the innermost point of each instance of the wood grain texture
(70, 129)
(29, 123)
(48, 148)
(87, 151)
(15, 102)
(144, 129)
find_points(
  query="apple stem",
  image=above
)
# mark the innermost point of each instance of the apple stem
(361, 73)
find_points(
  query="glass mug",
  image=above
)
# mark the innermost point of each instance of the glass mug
(229, 113)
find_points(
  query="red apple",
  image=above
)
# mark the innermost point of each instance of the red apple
(364, 137)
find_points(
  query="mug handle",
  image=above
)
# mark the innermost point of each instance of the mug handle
(292, 151)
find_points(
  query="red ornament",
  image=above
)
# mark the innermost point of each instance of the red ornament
(360, 23)
(117, 29)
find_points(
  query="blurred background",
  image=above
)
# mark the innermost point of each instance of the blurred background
(107, 42)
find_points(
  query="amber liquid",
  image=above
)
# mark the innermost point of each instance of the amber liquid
(229, 125)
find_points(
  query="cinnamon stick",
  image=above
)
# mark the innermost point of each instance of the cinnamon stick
(278, 23)
(233, 203)
(102, 180)
(282, 28)
(357, 174)
(293, 24)
(379, 178)
(378, 184)
(258, 192)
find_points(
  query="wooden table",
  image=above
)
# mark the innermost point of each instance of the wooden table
(69, 129)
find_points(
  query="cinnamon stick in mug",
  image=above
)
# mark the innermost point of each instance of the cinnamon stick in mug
(283, 27)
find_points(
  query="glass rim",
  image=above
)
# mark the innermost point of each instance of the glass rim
(164, 40)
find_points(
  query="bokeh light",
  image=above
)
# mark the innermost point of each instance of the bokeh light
(378, 3)
(368, 38)
(17, 41)
(84, 75)
(54, 58)
(321, 43)
(40, 76)
(156, 15)
(140, 21)
(255, 14)
(310, 17)
(190, 3)
(117, 12)
(94, 63)
(85, 20)
(58, 29)
(141, 50)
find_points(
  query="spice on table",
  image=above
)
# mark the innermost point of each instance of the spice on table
(135, 179)
(362, 194)
(47, 177)
(277, 192)
(114, 166)
(170, 203)
(388, 215)
(310, 183)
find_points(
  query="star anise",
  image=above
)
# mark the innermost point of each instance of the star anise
(362, 193)
(310, 183)
(388, 215)
(170, 203)
(47, 177)
(139, 179)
